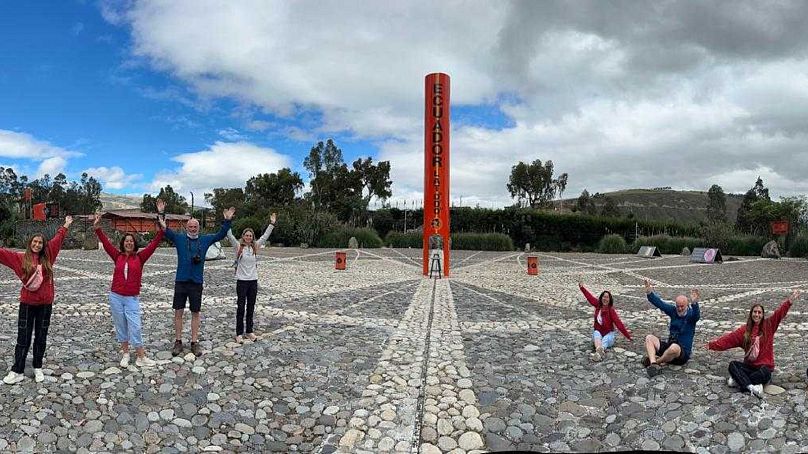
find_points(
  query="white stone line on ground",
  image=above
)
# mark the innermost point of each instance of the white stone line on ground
(391, 260)
(385, 418)
(417, 264)
(451, 415)
(345, 309)
(460, 263)
(612, 270)
(494, 260)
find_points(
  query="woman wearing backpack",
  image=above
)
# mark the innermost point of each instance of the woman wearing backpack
(35, 268)
(124, 301)
(247, 276)
(756, 337)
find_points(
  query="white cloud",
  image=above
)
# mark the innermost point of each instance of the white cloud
(113, 177)
(231, 134)
(225, 165)
(19, 145)
(51, 166)
(676, 94)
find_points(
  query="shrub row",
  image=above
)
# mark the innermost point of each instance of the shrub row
(460, 241)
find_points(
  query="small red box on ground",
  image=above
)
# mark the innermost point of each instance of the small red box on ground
(532, 265)
(341, 261)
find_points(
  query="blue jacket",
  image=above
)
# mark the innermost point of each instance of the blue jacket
(682, 328)
(187, 248)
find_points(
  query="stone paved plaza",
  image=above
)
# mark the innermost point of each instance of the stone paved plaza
(378, 359)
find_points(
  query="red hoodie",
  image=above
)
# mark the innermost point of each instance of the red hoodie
(608, 316)
(128, 285)
(44, 294)
(766, 353)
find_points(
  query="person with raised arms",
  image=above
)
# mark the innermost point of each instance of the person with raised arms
(756, 338)
(606, 323)
(683, 315)
(34, 268)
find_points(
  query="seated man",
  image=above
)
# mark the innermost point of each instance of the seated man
(682, 328)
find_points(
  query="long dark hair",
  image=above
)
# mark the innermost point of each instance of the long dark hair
(120, 245)
(611, 298)
(44, 258)
(747, 335)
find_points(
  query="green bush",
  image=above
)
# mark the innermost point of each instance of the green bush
(799, 246)
(367, 238)
(482, 242)
(744, 245)
(299, 225)
(612, 244)
(667, 244)
(404, 240)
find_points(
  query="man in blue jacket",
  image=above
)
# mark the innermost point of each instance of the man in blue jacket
(676, 350)
(191, 249)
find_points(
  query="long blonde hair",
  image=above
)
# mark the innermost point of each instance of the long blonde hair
(44, 258)
(242, 244)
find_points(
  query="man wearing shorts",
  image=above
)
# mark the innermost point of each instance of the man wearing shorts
(191, 249)
(676, 350)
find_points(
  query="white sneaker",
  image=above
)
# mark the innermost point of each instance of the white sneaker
(13, 378)
(756, 390)
(39, 376)
(145, 362)
(125, 360)
(731, 383)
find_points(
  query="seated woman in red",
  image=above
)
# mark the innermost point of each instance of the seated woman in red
(756, 338)
(606, 320)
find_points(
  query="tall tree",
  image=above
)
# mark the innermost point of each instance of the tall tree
(269, 190)
(746, 219)
(375, 179)
(584, 203)
(533, 184)
(716, 204)
(175, 203)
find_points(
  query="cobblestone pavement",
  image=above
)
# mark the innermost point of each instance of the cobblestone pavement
(377, 359)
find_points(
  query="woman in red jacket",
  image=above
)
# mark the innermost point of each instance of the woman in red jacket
(756, 338)
(606, 320)
(35, 268)
(124, 301)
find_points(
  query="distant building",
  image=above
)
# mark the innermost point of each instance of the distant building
(135, 221)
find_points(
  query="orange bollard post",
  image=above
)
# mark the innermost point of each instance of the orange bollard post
(341, 261)
(532, 265)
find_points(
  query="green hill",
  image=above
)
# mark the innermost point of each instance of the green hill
(667, 204)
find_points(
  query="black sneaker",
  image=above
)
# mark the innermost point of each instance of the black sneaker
(646, 361)
(654, 370)
(177, 350)
(196, 349)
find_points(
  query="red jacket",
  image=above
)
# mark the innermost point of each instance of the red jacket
(43, 296)
(608, 316)
(766, 353)
(129, 285)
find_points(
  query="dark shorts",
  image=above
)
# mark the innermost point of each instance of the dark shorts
(187, 291)
(678, 361)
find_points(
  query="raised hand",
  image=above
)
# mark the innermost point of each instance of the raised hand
(273, 217)
(648, 287)
(228, 213)
(794, 295)
(695, 295)
(68, 221)
(96, 220)
(162, 223)
(161, 206)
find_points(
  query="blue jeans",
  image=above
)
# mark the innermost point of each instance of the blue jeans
(607, 341)
(126, 316)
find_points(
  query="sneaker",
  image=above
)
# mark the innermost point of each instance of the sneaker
(252, 337)
(653, 370)
(177, 350)
(13, 377)
(239, 340)
(756, 390)
(196, 349)
(601, 352)
(145, 362)
(39, 376)
(646, 361)
(731, 383)
(595, 357)
(125, 360)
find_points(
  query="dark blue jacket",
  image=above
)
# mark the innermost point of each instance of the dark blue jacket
(187, 248)
(682, 328)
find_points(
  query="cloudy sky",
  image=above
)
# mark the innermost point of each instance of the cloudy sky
(202, 94)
